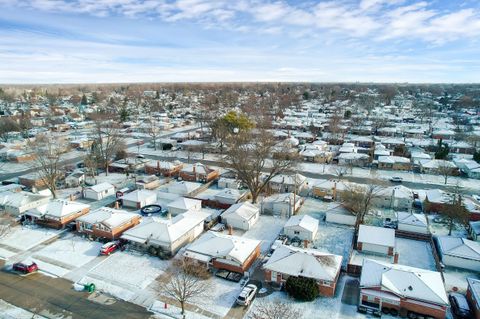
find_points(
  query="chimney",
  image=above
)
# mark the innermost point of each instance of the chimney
(305, 243)
(70, 198)
(395, 258)
(117, 205)
(158, 166)
(169, 215)
(230, 230)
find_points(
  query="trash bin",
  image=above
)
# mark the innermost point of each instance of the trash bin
(89, 287)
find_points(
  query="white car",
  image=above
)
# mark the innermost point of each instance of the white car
(396, 179)
(247, 295)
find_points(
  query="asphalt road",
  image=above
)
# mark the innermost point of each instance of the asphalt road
(320, 175)
(55, 297)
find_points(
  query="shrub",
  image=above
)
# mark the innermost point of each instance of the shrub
(301, 288)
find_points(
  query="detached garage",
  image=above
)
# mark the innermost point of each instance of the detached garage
(413, 223)
(303, 227)
(377, 240)
(241, 216)
(139, 198)
(459, 252)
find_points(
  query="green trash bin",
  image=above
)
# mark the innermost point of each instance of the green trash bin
(89, 287)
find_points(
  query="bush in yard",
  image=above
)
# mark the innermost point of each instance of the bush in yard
(152, 250)
(302, 288)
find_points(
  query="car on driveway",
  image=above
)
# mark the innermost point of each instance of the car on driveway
(25, 268)
(396, 179)
(247, 295)
(109, 248)
(460, 307)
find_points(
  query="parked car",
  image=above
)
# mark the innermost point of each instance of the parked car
(218, 227)
(247, 295)
(109, 248)
(460, 307)
(389, 223)
(396, 179)
(25, 268)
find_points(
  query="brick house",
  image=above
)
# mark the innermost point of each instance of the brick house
(198, 172)
(57, 213)
(106, 223)
(167, 169)
(473, 296)
(227, 252)
(289, 261)
(403, 290)
(31, 181)
(397, 163)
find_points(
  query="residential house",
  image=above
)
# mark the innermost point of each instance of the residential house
(225, 182)
(353, 159)
(395, 197)
(147, 182)
(376, 240)
(289, 261)
(303, 227)
(168, 235)
(436, 200)
(436, 166)
(221, 251)
(167, 169)
(288, 183)
(286, 204)
(397, 163)
(183, 205)
(99, 191)
(412, 223)
(75, 179)
(241, 216)
(184, 188)
(139, 198)
(57, 213)
(229, 196)
(403, 290)
(459, 252)
(198, 172)
(32, 181)
(474, 230)
(17, 203)
(106, 223)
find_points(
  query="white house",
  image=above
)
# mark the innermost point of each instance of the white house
(241, 216)
(169, 235)
(285, 204)
(459, 252)
(288, 183)
(99, 191)
(304, 227)
(184, 188)
(225, 182)
(377, 240)
(183, 204)
(16, 203)
(139, 198)
(75, 179)
(58, 212)
(412, 222)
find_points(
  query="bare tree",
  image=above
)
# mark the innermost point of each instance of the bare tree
(47, 160)
(4, 230)
(274, 310)
(359, 199)
(455, 212)
(446, 169)
(186, 283)
(7, 125)
(107, 142)
(249, 156)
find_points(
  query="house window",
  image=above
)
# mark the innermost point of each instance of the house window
(296, 232)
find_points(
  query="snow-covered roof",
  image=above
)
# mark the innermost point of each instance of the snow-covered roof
(393, 159)
(108, 216)
(474, 285)
(437, 196)
(308, 263)
(139, 195)
(165, 232)
(289, 179)
(413, 219)
(304, 221)
(183, 187)
(404, 281)
(215, 245)
(58, 208)
(283, 197)
(229, 193)
(243, 210)
(459, 247)
(101, 187)
(184, 203)
(376, 235)
(19, 199)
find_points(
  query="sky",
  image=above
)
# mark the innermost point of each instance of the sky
(100, 41)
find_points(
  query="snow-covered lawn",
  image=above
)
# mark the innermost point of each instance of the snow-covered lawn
(441, 229)
(23, 238)
(322, 307)
(266, 229)
(66, 254)
(172, 312)
(335, 239)
(221, 296)
(415, 253)
(456, 277)
(9, 311)
(116, 179)
(316, 207)
(126, 274)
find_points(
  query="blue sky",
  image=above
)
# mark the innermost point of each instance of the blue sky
(83, 41)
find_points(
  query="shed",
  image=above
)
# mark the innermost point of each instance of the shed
(241, 216)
